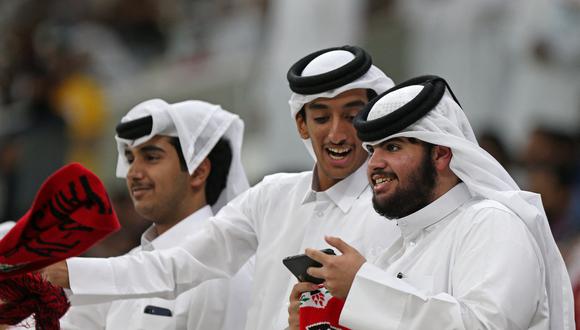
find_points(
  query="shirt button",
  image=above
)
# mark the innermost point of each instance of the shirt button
(412, 243)
(320, 214)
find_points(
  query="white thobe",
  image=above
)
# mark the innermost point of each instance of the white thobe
(273, 219)
(216, 304)
(461, 263)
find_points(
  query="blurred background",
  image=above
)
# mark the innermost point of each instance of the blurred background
(70, 69)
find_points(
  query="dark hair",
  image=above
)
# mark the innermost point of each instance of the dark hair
(371, 94)
(175, 143)
(220, 158)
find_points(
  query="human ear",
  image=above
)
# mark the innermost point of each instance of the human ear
(201, 173)
(301, 124)
(441, 157)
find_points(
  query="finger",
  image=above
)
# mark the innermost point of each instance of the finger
(338, 243)
(317, 255)
(293, 307)
(316, 272)
(300, 288)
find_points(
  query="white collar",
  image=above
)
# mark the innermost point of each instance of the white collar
(344, 193)
(151, 241)
(434, 212)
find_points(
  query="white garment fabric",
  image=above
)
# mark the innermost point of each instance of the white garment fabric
(215, 304)
(462, 263)
(274, 219)
(446, 125)
(5, 227)
(199, 126)
(374, 79)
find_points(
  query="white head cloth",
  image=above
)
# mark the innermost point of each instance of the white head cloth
(199, 126)
(447, 125)
(374, 79)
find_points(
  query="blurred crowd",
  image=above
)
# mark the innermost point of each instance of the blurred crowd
(62, 61)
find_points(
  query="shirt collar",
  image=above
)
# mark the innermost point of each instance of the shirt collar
(151, 241)
(344, 193)
(435, 211)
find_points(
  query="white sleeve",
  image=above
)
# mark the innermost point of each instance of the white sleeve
(92, 317)
(5, 227)
(496, 280)
(224, 244)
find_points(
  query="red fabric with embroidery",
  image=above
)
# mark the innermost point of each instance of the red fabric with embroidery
(320, 310)
(70, 213)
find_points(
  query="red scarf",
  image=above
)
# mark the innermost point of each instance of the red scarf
(319, 310)
(70, 213)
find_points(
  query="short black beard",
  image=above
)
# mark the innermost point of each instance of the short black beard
(417, 194)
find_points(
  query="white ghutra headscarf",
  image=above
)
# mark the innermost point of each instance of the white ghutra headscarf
(199, 126)
(447, 125)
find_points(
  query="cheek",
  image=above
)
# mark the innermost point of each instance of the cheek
(317, 136)
(402, 165)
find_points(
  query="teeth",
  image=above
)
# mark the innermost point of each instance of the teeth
(382, 179)
(339, 150)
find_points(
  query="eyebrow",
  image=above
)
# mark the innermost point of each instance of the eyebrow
(145, 149)
(397, 139)
(152, 148)
(357, 103)
(351, 104)
(317, 106)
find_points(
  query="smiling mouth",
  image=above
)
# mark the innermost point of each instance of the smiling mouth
(338, 153)
(139, 190)
(378, 179)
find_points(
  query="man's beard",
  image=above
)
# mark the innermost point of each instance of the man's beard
(415, 195)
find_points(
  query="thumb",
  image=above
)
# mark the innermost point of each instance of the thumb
(338, 243)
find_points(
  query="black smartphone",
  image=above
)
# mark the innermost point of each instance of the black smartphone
(298, 265)
(155, 310)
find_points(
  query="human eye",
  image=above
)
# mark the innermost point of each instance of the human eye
(350, 118)
(152, 157)
(321, 119)
(130, 158)
(392, 147)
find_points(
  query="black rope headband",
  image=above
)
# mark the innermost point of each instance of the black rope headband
(135, 129)
(329, 80)
(432, 92)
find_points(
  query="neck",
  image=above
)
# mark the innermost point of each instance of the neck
(444, 183)
(187, 208)
(322, 182)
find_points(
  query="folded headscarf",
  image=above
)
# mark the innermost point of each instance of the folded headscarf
(199, 126)
(330, 62)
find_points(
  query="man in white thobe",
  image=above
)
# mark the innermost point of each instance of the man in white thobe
(277, 217)
(475, 251)
(178, 192)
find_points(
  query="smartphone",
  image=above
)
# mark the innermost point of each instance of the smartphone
(155, 310)
(298, 265)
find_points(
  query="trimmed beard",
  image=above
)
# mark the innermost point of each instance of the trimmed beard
(415, 195)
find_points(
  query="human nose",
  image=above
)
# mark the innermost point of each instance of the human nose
(337, 134)
(377, 160)
(135, 171)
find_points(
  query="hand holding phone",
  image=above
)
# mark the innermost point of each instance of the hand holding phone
(298, 265)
